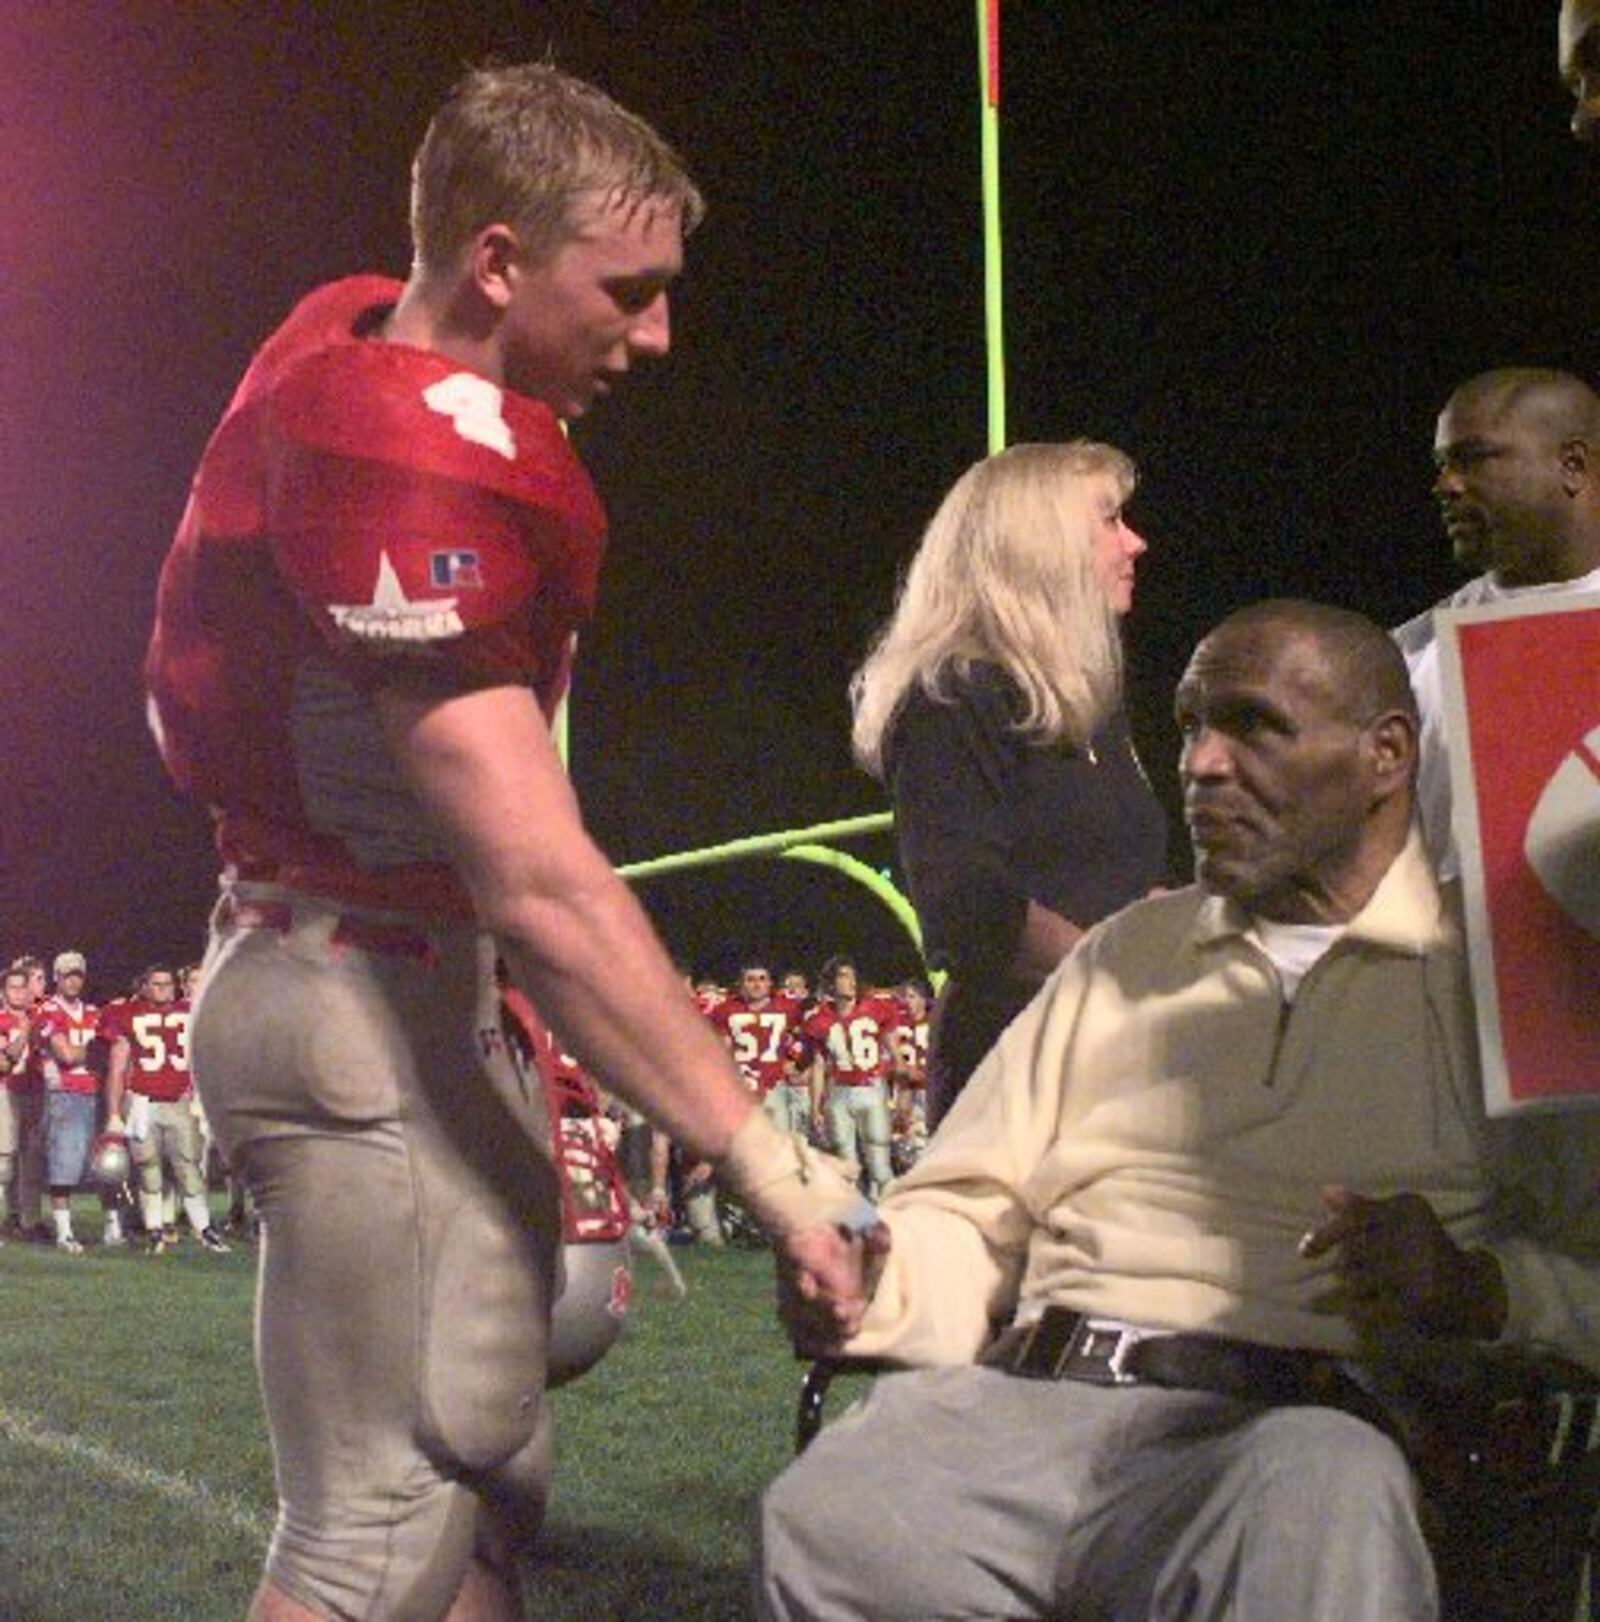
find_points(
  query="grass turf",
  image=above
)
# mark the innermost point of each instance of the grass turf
(135, 1478)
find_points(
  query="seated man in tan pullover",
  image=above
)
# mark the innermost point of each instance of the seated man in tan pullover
(1230, 1163)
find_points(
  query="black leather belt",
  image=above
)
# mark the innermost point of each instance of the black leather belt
(1065, 1345)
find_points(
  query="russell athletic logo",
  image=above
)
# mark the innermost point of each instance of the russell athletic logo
(454, 570)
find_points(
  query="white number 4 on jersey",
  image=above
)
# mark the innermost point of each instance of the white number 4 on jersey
(473, 405)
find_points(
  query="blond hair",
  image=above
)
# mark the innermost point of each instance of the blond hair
(1006, 574)
(525, 145)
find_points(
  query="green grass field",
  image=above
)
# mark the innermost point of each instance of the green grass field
(135, 1479)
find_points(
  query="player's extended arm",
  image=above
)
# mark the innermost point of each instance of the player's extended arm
(817, 1087)
(65, 1050)
(660, 1166)
(117, 1082)
(485, 769)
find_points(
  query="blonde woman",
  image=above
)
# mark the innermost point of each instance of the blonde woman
(991, 708)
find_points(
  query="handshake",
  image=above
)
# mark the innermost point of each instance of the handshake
(830, 1240)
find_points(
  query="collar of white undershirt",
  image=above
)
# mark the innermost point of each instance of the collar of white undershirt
(1293, 948)
(1496, 591)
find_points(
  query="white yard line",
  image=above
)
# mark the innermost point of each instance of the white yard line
(221, 1509)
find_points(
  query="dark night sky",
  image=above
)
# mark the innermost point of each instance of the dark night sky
(1256, 252)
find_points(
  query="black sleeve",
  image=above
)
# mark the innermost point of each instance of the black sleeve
(951, 774)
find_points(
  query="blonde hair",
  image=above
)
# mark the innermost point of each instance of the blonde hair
(524, 144)
(1006, 574)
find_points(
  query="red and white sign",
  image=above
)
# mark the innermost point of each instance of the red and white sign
(1522, 716)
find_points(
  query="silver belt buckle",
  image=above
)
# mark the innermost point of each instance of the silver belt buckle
(1103, 1363)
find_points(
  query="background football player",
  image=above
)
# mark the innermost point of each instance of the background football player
(851, 1041)
(67, 1027)
(21, 1108)
(911, 1077)
(758, 1025)
(150, 1096)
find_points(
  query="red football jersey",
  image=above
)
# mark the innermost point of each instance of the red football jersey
(79, 1024)
(362, 503)
(158, 1041)
(758, 1036)
(911, 1049)
(858, 1045)
(113, 1019)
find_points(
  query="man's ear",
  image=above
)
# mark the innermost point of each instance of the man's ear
(1392, 750)
(493, 264)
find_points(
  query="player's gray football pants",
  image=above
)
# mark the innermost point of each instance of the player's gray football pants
(858, 1128)
(353, 1066)
(21, 1153)
(969, 1493)
(788, 1105)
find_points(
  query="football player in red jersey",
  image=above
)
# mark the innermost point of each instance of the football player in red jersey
(34, 969)
(853, 1042)
(758, 1026)
(66, 1027)
(150, 1096)
(21, 1107)
(111, 1012)
(911, 1077)
(38, 984)
(364, 629)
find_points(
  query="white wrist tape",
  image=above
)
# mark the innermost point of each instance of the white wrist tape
(787, 1184)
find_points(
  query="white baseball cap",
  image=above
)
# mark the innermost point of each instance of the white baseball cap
(66, 962)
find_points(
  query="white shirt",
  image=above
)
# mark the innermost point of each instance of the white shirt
(1293, 948)
(1418, 641)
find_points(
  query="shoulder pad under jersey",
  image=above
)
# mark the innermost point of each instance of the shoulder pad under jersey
(411, 503)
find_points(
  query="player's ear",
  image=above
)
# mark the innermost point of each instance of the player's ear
(492, 263)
